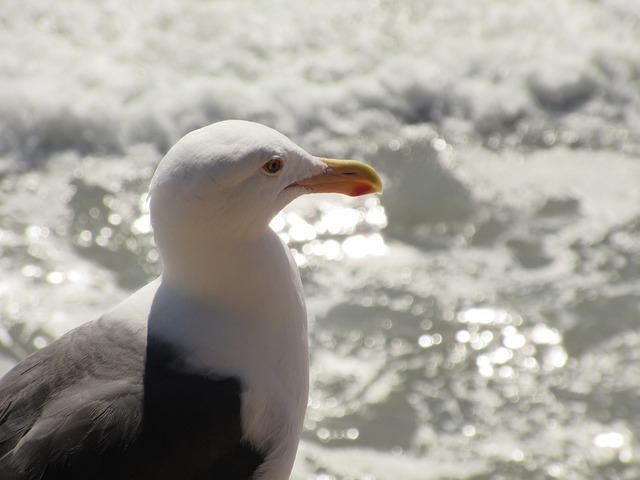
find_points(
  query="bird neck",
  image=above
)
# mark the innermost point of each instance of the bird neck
(225, 271)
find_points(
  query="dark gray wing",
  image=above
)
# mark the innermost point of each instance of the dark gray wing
(71, 402)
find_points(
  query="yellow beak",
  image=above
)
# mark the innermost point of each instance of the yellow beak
(344, 176)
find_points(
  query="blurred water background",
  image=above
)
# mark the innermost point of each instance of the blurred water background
(477, 321)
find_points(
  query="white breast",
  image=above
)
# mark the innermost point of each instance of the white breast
(258, 334)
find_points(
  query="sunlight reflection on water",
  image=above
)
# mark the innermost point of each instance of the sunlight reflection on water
(333, 232)
(506, 346)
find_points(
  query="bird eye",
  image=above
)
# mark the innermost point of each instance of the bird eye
(273, 166)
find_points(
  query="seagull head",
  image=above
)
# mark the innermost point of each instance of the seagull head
(227, 181)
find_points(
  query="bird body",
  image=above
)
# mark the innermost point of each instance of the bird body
(203, 373)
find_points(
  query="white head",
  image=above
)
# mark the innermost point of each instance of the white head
(226, 182)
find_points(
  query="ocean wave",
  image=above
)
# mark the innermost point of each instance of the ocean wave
(103, 79)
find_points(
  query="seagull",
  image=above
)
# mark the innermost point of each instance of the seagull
(203, 373)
